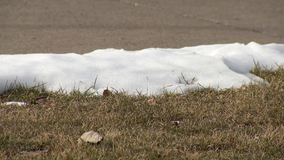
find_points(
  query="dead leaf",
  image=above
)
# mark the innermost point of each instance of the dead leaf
(40, 100)
(107, 93)
(152, 101)
(232, 139)
(244, 87)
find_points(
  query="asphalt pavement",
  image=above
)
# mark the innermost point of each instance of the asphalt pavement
(81, 26)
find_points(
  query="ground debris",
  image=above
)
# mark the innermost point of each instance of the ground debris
(34, 153)
(91, 137)
(14, 103)
(107, 93)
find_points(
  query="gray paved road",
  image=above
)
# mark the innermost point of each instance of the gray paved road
(81, 26)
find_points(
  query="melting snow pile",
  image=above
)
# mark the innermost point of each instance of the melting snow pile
(147, 71)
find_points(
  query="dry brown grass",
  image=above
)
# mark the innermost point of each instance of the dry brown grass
(232, 124)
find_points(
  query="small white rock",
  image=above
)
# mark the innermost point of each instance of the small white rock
(91, 137)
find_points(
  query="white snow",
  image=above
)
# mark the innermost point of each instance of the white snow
(14, 103)
(148, 71)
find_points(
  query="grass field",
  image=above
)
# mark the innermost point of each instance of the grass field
(246, 123)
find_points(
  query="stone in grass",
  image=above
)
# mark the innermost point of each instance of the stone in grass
(91, 137)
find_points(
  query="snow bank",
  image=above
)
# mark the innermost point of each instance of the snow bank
(147, 71)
